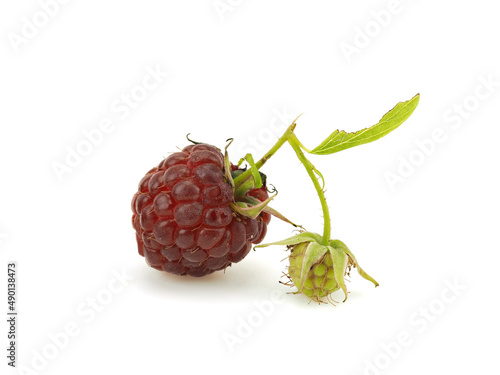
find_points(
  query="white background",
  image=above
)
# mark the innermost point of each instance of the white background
(231, 72)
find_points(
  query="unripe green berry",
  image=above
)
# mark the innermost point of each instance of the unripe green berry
(320, 279)
(319, 269)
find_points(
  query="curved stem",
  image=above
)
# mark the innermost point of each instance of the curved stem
(294, 142)
(245, 175)
(302, 146)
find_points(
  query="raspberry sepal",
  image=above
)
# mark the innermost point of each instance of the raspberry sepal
(308, 256)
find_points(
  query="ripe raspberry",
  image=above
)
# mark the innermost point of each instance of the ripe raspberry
(183, 219)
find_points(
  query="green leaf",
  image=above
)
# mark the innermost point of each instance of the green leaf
(340, 140)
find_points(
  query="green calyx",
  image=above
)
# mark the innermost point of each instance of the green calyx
(318, 270)
(242, 182)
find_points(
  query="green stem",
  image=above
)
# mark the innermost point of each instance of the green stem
(294, 142)
(246, 175)
(290, 137)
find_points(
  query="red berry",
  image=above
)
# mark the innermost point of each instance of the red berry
(183, 218)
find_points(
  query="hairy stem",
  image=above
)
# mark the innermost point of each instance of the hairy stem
(294, 142)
